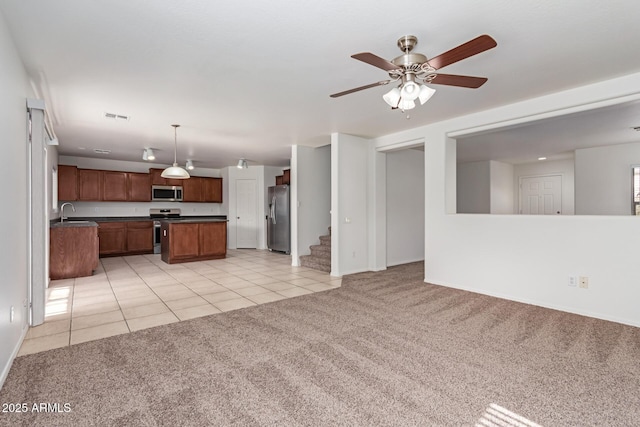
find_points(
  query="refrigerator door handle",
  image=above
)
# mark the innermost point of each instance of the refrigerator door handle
(273, 210)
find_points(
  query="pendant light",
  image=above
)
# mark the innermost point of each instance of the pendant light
(175, 171)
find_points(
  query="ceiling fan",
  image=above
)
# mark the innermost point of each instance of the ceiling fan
(411, 68)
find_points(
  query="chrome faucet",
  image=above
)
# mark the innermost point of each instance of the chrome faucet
(62, 217)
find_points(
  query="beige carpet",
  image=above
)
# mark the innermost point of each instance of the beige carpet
(385, 349)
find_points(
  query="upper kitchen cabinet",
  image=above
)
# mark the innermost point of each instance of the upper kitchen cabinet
(89, 184)
(202, 189)
(126, 186)
(157, 179)
(139, 187)
(114, 186)
(212, 190)
(286, 176)
(67, 183)
(192, 189)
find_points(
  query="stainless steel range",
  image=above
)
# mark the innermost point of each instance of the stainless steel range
(157, 215)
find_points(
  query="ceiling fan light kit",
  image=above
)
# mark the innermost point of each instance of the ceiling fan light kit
(412, 68)
(175, 171)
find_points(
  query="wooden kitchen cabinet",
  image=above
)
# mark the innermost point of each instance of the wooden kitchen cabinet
(213, 239)
(73, 251)
(89, 184)
(212, 190)
(139, 237)
(202, 189)
(139, 187)
(113, 238)
(125, 237)
(67, 183)
(192, 189)
(193, 241)
(114, 186)
(286, 176)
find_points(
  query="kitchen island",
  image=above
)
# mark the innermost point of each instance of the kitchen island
(73, 250)
(193, 239)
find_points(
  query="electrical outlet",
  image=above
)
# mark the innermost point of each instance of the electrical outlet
(584, 282)
(573, 281)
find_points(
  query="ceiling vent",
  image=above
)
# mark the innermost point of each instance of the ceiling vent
(118, 117)
(101, 151)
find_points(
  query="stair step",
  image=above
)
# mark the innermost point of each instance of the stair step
(316, 263)
(322, 251)
(325, 240)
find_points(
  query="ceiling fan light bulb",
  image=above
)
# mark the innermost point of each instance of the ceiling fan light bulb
(406, 104)
(425, 93)
(410, 91)
(392, 97)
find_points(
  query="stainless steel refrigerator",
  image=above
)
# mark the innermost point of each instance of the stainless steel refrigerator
(278, 220)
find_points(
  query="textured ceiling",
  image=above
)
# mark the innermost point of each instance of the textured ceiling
(249, 79)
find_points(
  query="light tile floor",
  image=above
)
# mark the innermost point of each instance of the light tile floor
(127, 294)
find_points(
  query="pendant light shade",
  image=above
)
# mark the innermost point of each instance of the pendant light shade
(242, 164)
(189, 165)
(175, 171)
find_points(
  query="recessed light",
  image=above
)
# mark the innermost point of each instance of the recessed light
(101, 151)
(542, 158)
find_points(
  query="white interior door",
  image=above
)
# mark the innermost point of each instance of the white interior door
(246, 213)
(541, 195)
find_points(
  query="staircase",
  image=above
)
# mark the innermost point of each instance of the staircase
(320, 258)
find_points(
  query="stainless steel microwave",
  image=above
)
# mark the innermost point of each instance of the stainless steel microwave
(167, 193)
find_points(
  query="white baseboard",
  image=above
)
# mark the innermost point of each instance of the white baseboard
(551, 306)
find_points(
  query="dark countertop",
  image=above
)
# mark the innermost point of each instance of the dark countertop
(137, 218)
(73, 223)
(191, 220)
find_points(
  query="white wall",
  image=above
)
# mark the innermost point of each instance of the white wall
(14, 91)
(102, 209)
(350, 157)
(405, 206)
(473, 193)
(521, 257)
(484, 187)
(564, 167)
(603, 179)
(310, 197)
(501, 188)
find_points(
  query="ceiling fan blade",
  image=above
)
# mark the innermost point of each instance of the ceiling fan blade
(470, 48)
(462, 81)
(376, 61)
(347, 92)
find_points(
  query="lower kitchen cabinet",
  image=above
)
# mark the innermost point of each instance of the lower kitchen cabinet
(139, 237)
(73, 251)
(113, 238)
(193, 241)
(125, 238)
